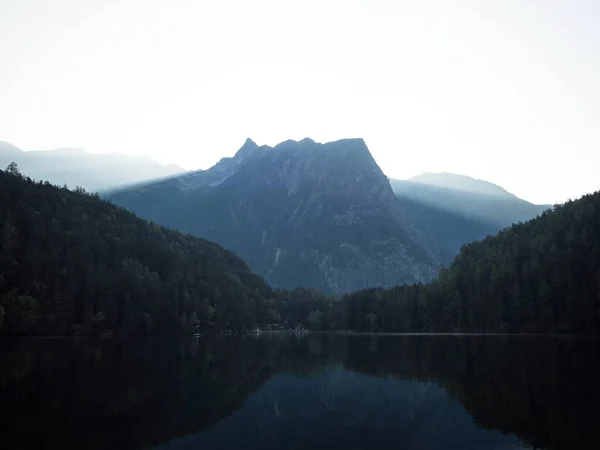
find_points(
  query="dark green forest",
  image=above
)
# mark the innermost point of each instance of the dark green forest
(72, 263)
(540, 276)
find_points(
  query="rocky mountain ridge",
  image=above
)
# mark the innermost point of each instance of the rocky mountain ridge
(300, 213)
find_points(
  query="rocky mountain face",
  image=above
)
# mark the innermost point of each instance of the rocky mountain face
(300, 213)
(92, 171)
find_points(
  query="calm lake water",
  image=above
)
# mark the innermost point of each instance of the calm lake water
(318, 391)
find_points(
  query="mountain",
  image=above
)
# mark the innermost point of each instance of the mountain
(448, 229)
(72, 263)
(462, 183)
(538, 276)
(468, 197)
(300, 213)
(76, 167)
(453, 210)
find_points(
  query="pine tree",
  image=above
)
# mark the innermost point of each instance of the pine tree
(13, 169)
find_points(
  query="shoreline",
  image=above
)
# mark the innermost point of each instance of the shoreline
(306, 333)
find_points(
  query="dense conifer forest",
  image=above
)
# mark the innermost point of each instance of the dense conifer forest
(540, 276)
(72, 263)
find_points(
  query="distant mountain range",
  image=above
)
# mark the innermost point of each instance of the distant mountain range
(325, 215)
(306, 214)
(300, 213)
(76, 167)
(468, 197)
(455, 209)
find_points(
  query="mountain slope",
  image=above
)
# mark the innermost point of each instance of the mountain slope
(76, 167)
(448, 229)
(539, 276)
(72, 263)
(462, 183)
(453, 210)
(301, 214)
(475, 199)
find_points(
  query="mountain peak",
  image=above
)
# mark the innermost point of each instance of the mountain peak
(354, 150)
(299, 213)
(247, 149)
(351, 156)
(249, 143)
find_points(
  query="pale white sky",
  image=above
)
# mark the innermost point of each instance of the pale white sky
(507, 91)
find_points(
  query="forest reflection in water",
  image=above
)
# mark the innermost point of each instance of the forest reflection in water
(328, 391)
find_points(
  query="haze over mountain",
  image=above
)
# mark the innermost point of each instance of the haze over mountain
(542, 276)
(72, 263)
(491, 91)
(461, 183)
(77, 167)
(456, 209)
(468, 197)
(300, 213)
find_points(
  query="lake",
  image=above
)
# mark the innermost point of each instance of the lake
(314, 391)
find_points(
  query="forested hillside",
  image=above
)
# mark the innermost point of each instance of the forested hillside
(541, 276)
(71, 263)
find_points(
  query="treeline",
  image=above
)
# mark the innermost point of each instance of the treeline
(72, 263)
(540, 276)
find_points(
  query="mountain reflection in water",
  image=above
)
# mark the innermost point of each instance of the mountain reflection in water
(318, 391)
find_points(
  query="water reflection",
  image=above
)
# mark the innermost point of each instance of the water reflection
(327, 391)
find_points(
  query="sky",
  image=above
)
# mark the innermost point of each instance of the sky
(507, 91)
